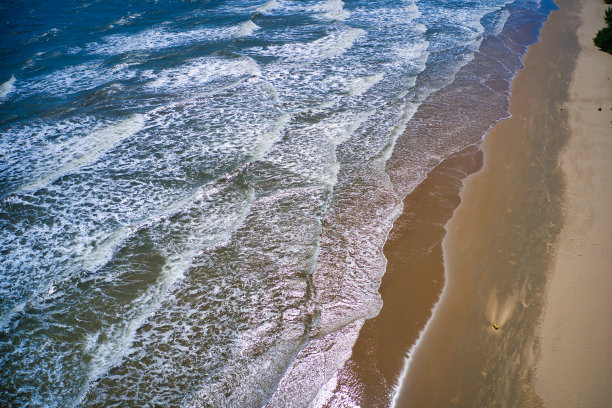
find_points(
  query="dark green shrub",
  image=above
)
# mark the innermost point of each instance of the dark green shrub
(608, 1)
(608, 16)
(603, 39)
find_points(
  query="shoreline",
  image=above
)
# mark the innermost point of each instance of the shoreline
(576, 364)
(498, 243)
(412, 285)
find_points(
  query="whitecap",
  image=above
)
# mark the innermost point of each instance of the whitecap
(7, 87)
(47, 35)
(413, 11)
(270, 137)
(247, 29)
(155, 39)
(270, 5)
(333, 10)
(126, 19)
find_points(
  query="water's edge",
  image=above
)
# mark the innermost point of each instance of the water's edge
(496, 270)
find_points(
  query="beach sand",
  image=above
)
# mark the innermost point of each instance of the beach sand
(576, 365)
(500, 243)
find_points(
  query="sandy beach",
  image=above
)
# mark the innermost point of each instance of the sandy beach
(576, 365)
(522, 220)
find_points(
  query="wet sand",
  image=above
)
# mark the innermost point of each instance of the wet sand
(498, 246)
(576, 365)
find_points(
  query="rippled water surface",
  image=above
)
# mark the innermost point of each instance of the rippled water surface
(191, 193)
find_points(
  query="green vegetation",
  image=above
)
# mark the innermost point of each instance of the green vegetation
(608, 1)
(603, 38)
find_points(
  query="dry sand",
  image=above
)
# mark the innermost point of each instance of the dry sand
(576, 365)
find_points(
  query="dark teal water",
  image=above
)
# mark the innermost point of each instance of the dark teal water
(191, 191)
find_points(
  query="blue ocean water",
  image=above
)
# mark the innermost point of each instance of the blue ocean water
(191, 192)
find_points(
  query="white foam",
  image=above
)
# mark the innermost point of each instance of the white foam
(162, 37)
(270, 5)
(206, 229)
(408, 112)
(202, 71)
(344, 128)
(89, 149)
(360, 85)
(103, 252)
(44, 36)
(151, 39)
(325, 392)
(333, 10)
(330, 46)
(415, 55)
(7, 87)
(27, 146)
(500, 22)
(224, 126)
(125, 20)
(78, 78)
(11, 313)
(310, 150)
(338, 44)
(269, 137)
(413, 11)
(248, 28)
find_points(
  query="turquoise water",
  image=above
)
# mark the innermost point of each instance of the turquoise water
(191, 191)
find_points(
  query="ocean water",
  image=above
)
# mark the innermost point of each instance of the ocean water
(194, 196)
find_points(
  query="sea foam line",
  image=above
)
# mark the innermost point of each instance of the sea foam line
(361, 84)
(95, 145)
(155, 39)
